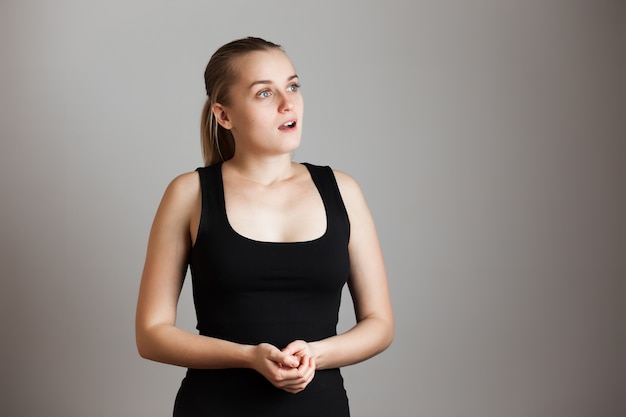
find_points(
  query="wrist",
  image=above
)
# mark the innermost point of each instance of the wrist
(317, 349)
(248, 356)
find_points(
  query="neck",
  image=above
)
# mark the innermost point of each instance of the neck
(265, 171)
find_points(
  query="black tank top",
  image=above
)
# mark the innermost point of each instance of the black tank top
(249, 292)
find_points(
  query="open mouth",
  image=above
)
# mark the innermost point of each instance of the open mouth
(288, 126)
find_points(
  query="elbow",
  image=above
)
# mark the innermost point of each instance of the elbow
(143, 352)
(142, 348)
(388, 335)
(381, 331)
(385, 333)
(145, 348)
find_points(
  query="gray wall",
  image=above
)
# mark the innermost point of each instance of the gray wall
(488, 136)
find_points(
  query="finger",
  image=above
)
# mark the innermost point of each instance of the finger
(290, 361)
(313, 366)
(307, 369)
(297, 347)
(307, 363)
(300, 376)
(296, 380)
(288, 376)
(295, 388)
(284, 358)
(304, 371)
(304, 365)
(300, 384)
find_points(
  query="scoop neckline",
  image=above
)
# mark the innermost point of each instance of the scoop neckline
(265, 242)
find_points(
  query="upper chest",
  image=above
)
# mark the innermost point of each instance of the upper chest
(291, 211)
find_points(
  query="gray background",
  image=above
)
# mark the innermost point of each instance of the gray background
(488, 136)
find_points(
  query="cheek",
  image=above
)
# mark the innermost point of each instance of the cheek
(254, 120)
(246, 119)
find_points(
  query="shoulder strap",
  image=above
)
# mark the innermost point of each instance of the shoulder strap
(212, 195)
(337, 215)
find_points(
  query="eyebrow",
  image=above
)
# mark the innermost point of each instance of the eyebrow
(270, 81)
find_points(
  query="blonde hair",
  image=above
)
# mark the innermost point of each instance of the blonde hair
(218, 143)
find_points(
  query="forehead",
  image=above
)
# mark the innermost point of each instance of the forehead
(272, 65)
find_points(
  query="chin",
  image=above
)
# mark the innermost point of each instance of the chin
(292, 144)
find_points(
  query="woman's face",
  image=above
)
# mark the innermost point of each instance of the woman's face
(265, 106)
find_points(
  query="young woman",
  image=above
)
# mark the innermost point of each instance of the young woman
(270, 243)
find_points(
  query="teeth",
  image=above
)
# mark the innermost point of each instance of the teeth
(290, 124)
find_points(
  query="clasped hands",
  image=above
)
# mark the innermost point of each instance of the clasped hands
(290, 369)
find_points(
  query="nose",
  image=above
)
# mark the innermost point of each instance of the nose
(286, 103)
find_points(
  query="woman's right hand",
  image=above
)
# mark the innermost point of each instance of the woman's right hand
(283, 370)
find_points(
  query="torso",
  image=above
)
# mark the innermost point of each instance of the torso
(251, 285)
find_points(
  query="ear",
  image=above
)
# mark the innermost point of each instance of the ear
(221, 115)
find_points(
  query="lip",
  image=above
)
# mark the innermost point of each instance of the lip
(283, 126)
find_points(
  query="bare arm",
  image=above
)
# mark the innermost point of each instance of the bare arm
(157, 336)
(166, 263)
(368, 286)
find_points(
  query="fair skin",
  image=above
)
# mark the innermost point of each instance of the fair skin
(268, 198)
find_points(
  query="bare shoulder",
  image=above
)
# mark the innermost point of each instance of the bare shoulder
(363, 237)
(182, 193)
(349, 188)
(183, 184)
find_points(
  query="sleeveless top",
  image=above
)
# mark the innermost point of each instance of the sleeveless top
(249, 292)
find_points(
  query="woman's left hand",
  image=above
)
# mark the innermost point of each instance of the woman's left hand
(302, 351)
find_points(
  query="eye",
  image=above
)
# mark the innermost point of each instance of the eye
(293, 87)
(264, 93)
